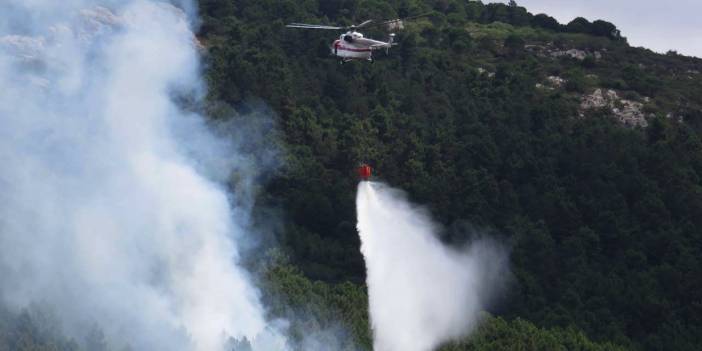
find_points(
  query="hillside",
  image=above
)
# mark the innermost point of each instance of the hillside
(130, 222)
(580, 151)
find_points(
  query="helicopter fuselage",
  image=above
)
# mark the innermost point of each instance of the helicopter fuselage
(352, 45)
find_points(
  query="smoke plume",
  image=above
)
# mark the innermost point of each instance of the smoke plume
(113, 210)
(421, 293)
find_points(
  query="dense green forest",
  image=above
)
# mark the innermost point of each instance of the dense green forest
(482, 114)
(581, 153)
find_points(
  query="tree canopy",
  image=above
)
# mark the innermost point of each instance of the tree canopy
(602, 218)
(468, 116)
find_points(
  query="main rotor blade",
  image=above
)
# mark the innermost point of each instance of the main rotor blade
(312, 26)
(399, 21)
(364, 23)
(416, 16)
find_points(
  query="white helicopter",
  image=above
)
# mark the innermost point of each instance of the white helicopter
(352, 45)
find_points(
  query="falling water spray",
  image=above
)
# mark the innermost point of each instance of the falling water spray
(421, 292)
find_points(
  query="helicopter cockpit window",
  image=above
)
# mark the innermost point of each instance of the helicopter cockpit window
(348, 38)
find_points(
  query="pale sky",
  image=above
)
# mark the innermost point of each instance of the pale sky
(658, 25)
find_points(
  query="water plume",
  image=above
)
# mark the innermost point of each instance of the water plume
(421, 293)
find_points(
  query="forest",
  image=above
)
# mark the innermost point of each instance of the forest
(602, 217)
(479, 115)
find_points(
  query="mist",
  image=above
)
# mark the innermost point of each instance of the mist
(114, 207)
(421, 293)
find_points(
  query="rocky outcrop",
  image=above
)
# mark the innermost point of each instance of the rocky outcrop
(572, 53)
(549, 50)
(628, 112)
(555, 81)
(485, 72)
(551, 83)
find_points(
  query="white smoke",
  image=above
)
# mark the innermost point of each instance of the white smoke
(106, 215)
(421, 293)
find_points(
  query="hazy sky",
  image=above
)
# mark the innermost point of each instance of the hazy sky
(654, 24)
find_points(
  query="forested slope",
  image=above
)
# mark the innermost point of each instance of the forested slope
(579, 151)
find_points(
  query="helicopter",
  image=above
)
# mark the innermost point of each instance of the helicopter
(352, 45)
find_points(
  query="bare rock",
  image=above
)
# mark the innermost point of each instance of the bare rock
(555, 81)
(572, 53)
(627, 112)
(483, 71)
